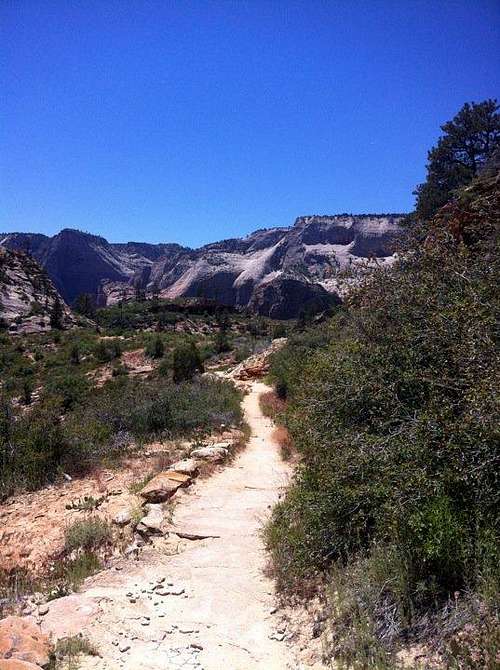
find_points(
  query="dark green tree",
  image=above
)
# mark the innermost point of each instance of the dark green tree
(222, 343)
(155, 348)
(470, 139)
(27, 391)
(186, 362)
(56, 314)
(74, 354)
(85, 305)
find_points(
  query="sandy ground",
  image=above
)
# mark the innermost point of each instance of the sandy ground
(202, 604)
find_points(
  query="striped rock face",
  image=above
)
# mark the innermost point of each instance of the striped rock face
(274, 272)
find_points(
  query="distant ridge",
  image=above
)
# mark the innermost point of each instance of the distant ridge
(264, 271)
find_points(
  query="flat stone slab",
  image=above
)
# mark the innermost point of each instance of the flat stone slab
(68, 615)
(163, 486)
(214, 454)
(188, 466)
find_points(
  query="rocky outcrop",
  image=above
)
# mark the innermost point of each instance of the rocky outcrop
(163, 486)
(22, 640)
(257, 365)
(27, 295)
(271, 271)
(285, 296)
(78, 262)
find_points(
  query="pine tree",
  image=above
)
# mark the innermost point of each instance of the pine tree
(469, 141)
(56, 314)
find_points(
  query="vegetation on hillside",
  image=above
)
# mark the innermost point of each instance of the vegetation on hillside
(392, 407)
(69, 400)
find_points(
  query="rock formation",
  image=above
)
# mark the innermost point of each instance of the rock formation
(275, 272)
(27, 295)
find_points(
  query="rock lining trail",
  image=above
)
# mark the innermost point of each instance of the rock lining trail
(202, 603)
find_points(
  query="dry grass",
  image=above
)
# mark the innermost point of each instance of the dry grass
(271, 405)
(282, 438)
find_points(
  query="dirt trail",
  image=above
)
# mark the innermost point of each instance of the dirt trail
(214, 608)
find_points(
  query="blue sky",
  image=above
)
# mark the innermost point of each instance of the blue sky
(196, 120)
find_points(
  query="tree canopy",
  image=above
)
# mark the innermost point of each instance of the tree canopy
(470, 139)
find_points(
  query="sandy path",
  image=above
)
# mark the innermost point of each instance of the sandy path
(213, 609)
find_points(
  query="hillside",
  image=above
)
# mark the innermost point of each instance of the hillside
(27, 295)
(392, 406)
(262, 270)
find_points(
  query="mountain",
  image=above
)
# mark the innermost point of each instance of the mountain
(274, 271)
(27, 295)
(78, 262)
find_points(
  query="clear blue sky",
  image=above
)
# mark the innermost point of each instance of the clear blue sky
(196, 120)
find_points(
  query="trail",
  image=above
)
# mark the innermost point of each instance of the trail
(213, 609)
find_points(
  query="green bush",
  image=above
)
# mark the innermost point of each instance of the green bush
(186, 362)
(31, 448)
(278, 330)
(155, 347)
(107, 350)
(393, 409)
(86, 534)
(165, 367)
(69, 388)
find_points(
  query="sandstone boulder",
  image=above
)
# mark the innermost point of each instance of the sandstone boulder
(22, 640)
(152, 522)
(163, 486)
(15, 664)
(188, 466)
(67, 616)
(122, 518)
(215, 454)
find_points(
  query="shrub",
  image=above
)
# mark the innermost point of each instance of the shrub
(271, 404)
(221, 342)
(155, 347)
(86, 534)
(27, 391)
(38, 449)
(69, 388)
(71, 647)
(76, 571)
(186, 362)
(392, 408)
(164, 367)
(107, 350)
(74, 354)
(278, 330)
(282, 438)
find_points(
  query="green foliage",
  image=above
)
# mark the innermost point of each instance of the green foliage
(27, 390)
(469, 140)
(287, 364)
(278, 330)
(87, 503)
(85, 305)
(164, 367)
(69, 388)
(74, 354)
(107, 350)
(70, 648)
(56, 314)
(38, 441)
(221, 342)
(186, 362)
(75, 571)
(86, 534)
(155, 347)
(394, 414)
